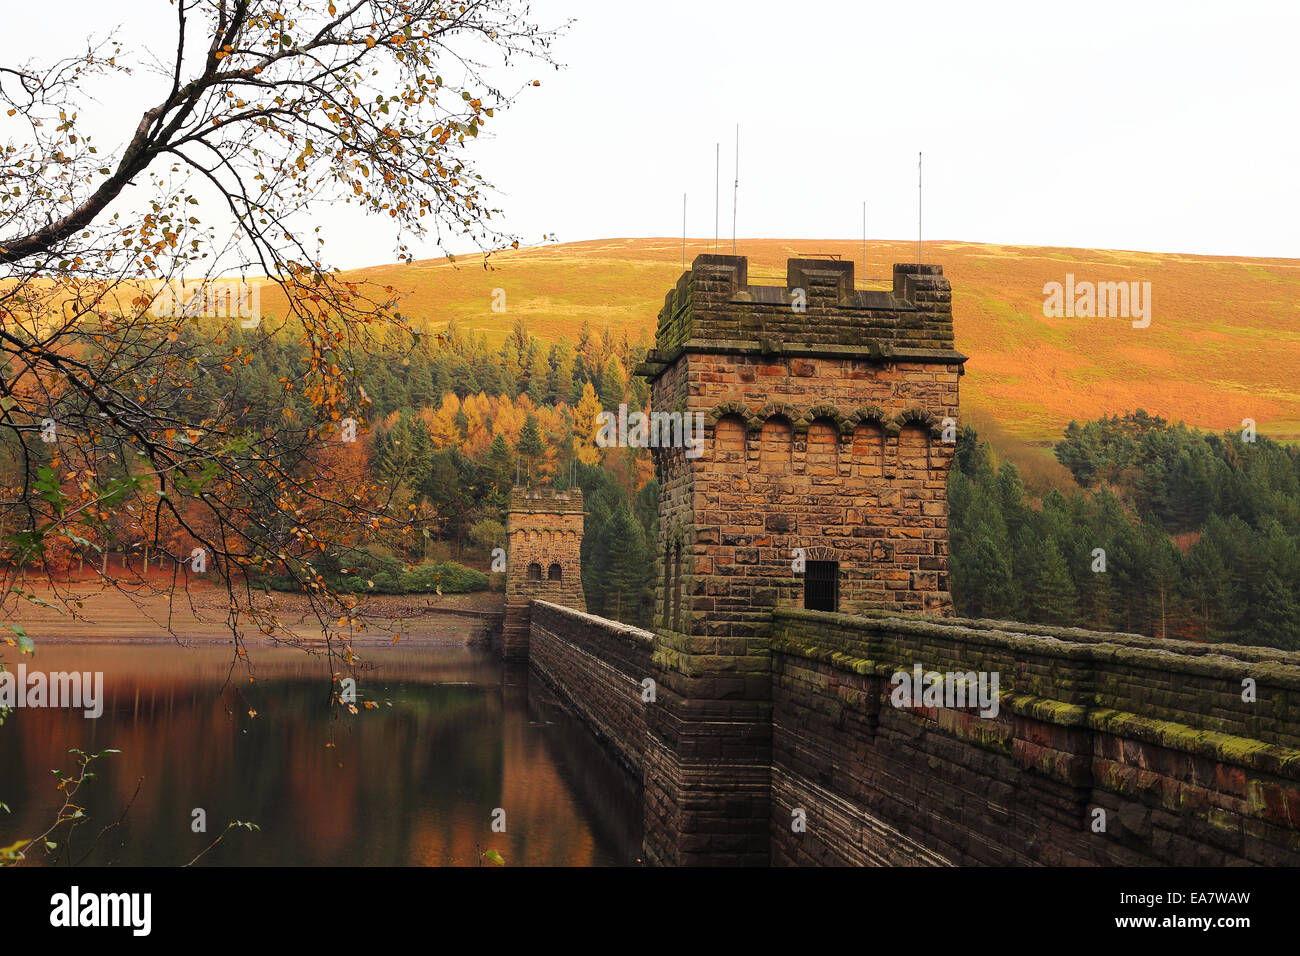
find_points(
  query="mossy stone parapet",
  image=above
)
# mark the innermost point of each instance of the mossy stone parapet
(598, 668)
(1110, 749)
(1106, 749)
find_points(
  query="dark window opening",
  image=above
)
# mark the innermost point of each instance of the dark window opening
(554, 572)
(821, 586)
(534, 572)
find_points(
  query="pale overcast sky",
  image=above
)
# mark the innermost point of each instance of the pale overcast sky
(1162, 126)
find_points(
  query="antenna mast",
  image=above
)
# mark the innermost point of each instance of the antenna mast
(735, 192)
(864, 241)
(717, 184)
(920, 258)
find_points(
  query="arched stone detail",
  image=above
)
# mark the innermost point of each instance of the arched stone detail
(672, 549)
(544, 530)
(724, 409)
(919, 416)
(831, 412)
(866, 414)
(801, 383)
(868, 449)
(798, 423)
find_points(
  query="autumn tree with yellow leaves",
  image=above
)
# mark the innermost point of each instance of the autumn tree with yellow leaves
(262, 110)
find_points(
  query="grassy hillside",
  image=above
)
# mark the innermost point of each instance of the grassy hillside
(1223, 344)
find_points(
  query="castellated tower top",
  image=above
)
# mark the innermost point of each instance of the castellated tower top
(714, 309)
(546, 500)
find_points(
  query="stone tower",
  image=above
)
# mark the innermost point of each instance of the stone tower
(543, 558)
(820, 483)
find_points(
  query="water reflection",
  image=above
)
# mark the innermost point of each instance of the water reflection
(414, 782)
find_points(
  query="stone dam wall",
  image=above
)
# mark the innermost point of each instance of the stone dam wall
(596, 666)
(1153, 734)
(1106, 749)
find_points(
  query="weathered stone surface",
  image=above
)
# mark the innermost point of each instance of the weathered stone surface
(1087, 721)
(598, 667)
(543, 558)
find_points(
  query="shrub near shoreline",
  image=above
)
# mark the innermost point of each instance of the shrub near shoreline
(386, 575)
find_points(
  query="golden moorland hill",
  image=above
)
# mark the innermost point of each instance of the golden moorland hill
(1223, 343)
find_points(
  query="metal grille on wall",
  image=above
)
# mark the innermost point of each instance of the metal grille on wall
(821, 586)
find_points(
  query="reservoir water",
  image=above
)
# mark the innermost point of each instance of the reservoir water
(453, 743)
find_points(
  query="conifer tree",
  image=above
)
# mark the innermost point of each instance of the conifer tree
(1053, 599)
(537, 374)
(560, 382)
(624, 564)
(612, 385)
(501, 469)
(530, 449)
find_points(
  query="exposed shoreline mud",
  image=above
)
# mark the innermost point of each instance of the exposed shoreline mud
(90, 612)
